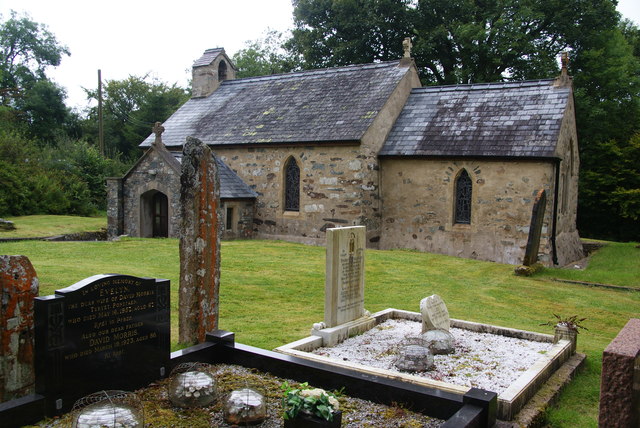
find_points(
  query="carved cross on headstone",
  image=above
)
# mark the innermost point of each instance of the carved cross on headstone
(158, 129)
(406, 46)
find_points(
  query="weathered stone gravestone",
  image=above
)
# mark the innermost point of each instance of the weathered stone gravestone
(344, 280)
(18, 288)
(434, 314)
(535, 229)
(199, 243)
(105, 332)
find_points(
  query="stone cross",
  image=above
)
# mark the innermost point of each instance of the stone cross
(199, 243)
(406, 46)
(158, 129)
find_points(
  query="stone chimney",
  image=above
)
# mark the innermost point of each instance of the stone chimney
(209, 71)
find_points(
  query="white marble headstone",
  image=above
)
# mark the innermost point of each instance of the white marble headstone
(344, 281)
(434, 314)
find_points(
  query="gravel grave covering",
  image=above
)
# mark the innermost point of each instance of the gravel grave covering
(482, 360)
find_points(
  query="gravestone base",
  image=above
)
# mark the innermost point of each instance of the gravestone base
(333, 335)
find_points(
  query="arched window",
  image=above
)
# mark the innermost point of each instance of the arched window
(463, 198)
(292, 186)
(222, 71)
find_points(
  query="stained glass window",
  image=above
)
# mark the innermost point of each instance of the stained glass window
(292, 186)
(463, 198)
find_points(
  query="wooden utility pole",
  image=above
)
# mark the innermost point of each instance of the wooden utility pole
(100, 121)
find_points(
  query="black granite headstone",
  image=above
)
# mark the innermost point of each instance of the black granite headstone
(105, 332)
(535, 229)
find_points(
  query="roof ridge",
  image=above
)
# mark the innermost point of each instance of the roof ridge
(485, 86)
(317, 71)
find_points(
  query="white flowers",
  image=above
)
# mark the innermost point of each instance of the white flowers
(319, 392)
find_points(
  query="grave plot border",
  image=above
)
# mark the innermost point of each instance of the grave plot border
(475, 409)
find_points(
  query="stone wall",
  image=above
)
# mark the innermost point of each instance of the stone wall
(337, 188)
(418, 205)
(568, 246)
(242, 214)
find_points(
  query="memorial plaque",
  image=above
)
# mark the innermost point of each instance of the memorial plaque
(344, 282)
(434, 314)
(105, 332)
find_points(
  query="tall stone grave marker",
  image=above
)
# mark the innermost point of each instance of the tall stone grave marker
(199, 243)
(535, 229)
(344, 281)
(18, 288)
(104, 332)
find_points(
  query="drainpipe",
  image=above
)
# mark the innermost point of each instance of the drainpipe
(554, 218)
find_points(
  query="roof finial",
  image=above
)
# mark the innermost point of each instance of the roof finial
(563, 79)
(565, 63)
(406, 47)
(158, 129)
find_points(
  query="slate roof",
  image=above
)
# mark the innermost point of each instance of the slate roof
(208, 56)
(520, 119)
(318, 106)
(231, 186)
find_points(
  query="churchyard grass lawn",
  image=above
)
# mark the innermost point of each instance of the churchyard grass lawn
(37, 226)
(272, 292)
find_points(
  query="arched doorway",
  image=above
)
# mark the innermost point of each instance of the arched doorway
(154, 215)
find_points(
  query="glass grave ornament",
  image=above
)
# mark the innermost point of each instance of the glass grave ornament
(245, 407)
(108, 409)
(192, 385)
(414, 356)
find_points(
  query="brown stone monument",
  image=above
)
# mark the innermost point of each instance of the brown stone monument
(199, 243)
(620, 384)
(18, 286)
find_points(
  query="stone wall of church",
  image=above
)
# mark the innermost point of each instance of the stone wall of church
(418, 203)
(152, 173)
(338, 187)
(569, 247)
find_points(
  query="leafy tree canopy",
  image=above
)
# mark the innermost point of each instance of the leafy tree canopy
(131, 107)
(264, 57)
(27, 48)
(455, 41)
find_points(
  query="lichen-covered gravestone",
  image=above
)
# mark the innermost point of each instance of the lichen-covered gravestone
(199, 243)
(18, 288)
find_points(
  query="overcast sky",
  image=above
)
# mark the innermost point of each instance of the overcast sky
(136, 37)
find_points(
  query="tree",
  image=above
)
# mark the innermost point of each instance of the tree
(131, 107)
(26, 50)
(265, 56)
(342, 32)
(31, 102)
(455, 41)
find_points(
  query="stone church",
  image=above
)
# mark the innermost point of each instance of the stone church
(445, 169)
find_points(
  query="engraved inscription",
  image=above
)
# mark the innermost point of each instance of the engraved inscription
(108, 318)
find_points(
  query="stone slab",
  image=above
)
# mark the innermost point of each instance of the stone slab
(344, 280)
(104, 332)
(435, 315)
(620, 384)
